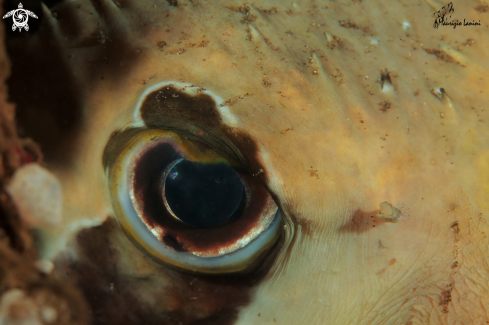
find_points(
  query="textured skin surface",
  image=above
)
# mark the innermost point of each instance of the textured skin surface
(334, 139)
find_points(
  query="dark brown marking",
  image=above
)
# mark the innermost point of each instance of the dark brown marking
(441, 55)
(335, 42)
(352, 25)
(446, 298)
(455, 227)
(115, 297)
(173, 243)
(172, 109)
(348, 24)
(385, 106)
(234, 100)
(243, 9)
(161, 44)
(361, 222)
(272, 10)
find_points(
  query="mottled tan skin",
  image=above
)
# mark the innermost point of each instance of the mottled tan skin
(330, 154)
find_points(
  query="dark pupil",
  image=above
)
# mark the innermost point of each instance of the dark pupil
(203, 195)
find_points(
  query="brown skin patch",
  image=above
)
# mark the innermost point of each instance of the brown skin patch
(190, 299)
(175, 110)
(362, 221)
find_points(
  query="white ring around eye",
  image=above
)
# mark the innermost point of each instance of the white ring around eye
(123, 202)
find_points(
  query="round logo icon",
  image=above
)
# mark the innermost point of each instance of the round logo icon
(20, 17)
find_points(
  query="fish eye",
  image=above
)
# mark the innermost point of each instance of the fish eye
(201, 195)
(186, 205)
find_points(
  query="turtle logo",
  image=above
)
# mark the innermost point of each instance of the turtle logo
(20, 17)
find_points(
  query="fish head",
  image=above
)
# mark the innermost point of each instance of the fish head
(366, 125)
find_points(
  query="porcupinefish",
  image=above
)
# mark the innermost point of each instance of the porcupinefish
(357, 130)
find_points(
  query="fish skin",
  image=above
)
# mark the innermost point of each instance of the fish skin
(331, 151)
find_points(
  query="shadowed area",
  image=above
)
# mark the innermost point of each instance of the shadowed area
(43, 85)
(114, 294)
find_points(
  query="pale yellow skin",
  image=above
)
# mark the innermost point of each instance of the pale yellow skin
(326, 147)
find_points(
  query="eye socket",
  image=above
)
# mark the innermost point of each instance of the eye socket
(187, 206)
